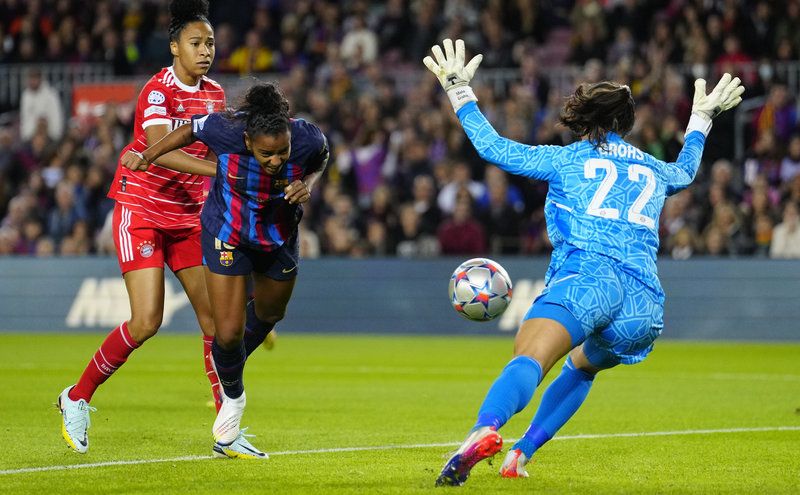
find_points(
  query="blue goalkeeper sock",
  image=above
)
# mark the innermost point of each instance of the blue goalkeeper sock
(255, 330)
(230, 366)
(559, 403)
(510, 393)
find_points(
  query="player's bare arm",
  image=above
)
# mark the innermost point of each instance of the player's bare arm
(166, 152)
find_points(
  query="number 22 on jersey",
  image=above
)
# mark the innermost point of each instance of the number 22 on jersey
(636, 173)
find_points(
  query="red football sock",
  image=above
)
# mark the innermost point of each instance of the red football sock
(109, 357)
(210, 373)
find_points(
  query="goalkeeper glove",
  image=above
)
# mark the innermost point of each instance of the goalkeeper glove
(453, 75)
(705, 107)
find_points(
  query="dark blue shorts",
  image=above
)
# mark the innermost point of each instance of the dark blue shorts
(224, 259)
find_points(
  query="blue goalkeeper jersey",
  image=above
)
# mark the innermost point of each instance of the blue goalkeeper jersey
(603, 200)
(246, 206)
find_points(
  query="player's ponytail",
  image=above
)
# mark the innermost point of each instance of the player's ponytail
(266, 110)
(594, 110)
(183, 12)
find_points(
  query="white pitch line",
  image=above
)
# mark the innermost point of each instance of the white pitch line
(392, 447)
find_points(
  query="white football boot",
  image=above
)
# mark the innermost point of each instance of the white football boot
(75, 421)
(229, 417)
(241, 448)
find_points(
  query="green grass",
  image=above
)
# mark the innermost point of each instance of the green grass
(317, 392)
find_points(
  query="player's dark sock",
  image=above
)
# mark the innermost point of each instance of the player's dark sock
(230, 365)
(510, 393)
(559, 403)
(112, 354)
(255, 330)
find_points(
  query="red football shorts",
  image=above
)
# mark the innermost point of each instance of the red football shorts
(143, 244)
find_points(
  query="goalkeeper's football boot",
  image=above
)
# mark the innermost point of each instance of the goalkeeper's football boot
(514, 465)
(229, 417)
(74, 421)
(240, 448)
(480, 444)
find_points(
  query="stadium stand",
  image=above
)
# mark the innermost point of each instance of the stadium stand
(404, 180)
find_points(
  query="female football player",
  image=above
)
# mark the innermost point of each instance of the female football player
(267, 166)
(603, 303)
(156, 218)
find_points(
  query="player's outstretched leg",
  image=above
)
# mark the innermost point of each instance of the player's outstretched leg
(509, 394)
(560, 402)
(481, 443)
(74, 421)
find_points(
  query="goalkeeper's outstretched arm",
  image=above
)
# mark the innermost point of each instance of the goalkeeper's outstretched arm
(536, 162)
(705, 107)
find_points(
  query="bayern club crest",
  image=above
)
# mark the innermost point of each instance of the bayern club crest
(146, 249)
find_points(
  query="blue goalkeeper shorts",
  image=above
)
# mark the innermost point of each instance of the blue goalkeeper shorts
(613, 314)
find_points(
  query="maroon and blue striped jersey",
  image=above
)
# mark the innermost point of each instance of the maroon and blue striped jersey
(246, 206)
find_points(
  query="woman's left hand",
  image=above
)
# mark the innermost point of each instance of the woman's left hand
(297, 192)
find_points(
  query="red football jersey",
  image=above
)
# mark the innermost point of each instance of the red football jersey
(167, 198)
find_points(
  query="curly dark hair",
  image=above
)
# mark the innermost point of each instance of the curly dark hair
(265, 110)
(183, 12)
(594, 110)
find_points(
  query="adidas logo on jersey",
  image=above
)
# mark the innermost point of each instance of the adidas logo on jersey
(180, 108)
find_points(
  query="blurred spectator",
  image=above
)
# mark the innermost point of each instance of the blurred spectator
(778, 115)
(411, 242)
(224, 46)
(253, 56)
(762, 235)
(45, 247)
(790, 165)
(32, 230)
(66, 214)
(40, 102)
(716, 243)
(683, 244)
(392, 29)
(309, 242)
(786, 235)
(735, 60)
(461, 234)
(360, 45)
(764, 160)
(461, 179)
(424, 200)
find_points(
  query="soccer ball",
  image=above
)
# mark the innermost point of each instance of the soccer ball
(480, 289)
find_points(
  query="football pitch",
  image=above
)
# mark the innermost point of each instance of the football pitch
(374, 414)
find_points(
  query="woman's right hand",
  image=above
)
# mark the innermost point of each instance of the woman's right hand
(134, 160)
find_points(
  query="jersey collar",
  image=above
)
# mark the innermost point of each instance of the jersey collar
(187, 88)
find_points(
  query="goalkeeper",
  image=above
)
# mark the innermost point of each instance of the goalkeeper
(603, 303)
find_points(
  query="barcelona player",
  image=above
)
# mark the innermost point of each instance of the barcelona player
(156, 218)
(267, 166)
(603, 303)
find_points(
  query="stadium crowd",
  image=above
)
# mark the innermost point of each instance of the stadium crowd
(404, 179)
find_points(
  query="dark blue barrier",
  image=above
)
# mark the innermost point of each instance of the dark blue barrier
(706, 299)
